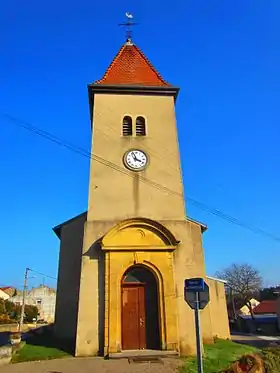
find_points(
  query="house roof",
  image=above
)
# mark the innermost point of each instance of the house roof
(57, 228)
(131, 67)
(6, 288)
(266, 306)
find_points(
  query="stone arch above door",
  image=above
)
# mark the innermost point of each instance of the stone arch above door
(139, 232)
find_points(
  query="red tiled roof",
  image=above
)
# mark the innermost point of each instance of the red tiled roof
(131, 67)
(6, 288)
(266, 306)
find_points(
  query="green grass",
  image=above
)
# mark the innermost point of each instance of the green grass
(217, 356)
(39, 348)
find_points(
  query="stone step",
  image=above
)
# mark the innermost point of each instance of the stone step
(143, 354)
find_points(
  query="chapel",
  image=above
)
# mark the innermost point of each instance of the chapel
(123, 262)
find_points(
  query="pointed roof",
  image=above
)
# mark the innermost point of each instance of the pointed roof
(131, 67)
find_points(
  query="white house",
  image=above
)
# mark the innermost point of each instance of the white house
(4, 295)
(43, 297)
(245, 309)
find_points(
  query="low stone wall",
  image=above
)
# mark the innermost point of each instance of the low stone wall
(6, 353)
(8, 328)
(14, 327)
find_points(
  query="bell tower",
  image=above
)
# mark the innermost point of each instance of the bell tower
(134, 130)
(135, 225)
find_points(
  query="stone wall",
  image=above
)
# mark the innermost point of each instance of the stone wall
(14, 327)
(6, 353)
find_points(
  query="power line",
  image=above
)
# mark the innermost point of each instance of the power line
(42, 274)
(85, 153)
(233, 220)
(22, 286)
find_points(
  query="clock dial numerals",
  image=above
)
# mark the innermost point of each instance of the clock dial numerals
(135, 160)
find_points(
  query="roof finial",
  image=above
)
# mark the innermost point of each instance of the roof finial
(128, 25)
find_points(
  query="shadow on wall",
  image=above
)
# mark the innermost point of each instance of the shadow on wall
(4, 338)
(95, 252)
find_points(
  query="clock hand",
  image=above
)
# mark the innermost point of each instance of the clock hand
(135, 158)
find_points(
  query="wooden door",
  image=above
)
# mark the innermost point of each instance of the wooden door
(133, 317)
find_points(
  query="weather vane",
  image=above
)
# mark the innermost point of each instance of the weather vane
(128, 25)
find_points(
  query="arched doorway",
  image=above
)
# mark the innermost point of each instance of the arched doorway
(140, 310)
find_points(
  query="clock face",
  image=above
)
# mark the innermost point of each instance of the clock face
(135, 160)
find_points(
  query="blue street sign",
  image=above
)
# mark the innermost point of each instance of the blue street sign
(194, 284)
(196, 294)
(203, 297)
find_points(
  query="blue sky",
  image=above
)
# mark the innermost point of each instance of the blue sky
(224, 55)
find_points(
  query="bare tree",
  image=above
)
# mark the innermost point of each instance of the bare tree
(245, 282)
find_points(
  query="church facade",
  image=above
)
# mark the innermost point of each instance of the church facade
(123, 262)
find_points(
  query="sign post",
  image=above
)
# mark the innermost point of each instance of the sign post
(196, 294)
(198, 336)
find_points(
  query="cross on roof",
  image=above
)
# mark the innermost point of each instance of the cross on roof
(128, 25)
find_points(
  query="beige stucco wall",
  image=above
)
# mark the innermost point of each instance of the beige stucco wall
(90, 326)
(4, 295)
(189, 262)
(218, 309)
(186, 261)
(114, 195)
(68, 279)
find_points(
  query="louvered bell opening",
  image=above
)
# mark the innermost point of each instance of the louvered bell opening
(127, 126)
(140, 126)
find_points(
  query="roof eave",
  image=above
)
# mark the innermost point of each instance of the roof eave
(217, 279)
(202, 226)
(127, 89)
(57, 228)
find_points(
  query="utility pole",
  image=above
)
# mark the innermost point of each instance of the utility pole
(233, 303)
(23, 299)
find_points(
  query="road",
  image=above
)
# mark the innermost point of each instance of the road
(255, 340)
(90, 365)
